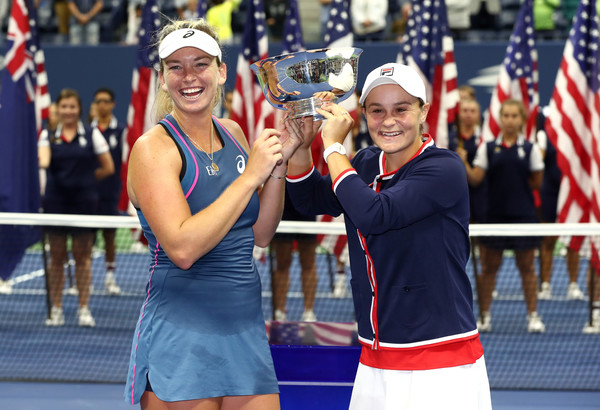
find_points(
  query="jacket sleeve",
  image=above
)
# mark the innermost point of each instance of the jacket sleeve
(311, 194)
(432, 185)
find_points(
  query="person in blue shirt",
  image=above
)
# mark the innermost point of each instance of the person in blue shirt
(109, 189)
(513, 168)
(75, 157)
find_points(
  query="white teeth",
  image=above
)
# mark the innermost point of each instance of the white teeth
(192, 91)
(389, 134)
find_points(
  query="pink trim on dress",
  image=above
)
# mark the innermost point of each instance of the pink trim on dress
(193, 156)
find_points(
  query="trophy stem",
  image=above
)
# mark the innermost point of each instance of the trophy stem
(306, 108)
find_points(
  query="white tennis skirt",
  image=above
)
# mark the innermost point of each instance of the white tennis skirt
(462, 388)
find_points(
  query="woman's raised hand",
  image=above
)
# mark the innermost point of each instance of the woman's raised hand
(266, 152)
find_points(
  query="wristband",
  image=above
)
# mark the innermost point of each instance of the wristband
(335, 147)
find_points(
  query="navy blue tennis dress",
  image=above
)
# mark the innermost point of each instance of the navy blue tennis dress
(201, 332)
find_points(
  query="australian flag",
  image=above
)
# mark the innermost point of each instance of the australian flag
(19, 178)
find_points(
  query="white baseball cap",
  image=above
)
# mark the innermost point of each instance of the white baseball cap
(188, 37)
(394, 73)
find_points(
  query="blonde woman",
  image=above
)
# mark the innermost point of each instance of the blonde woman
(204, 198)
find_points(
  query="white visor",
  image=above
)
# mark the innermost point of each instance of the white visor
(188, 37)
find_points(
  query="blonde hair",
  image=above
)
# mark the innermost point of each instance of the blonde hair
(163, 103)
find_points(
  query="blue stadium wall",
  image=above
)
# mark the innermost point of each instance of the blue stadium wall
(87, 68)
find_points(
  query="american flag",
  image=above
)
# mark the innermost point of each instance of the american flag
(339, 26)
(573, 123)
(428, 47)
(24, 102)
(139, 115)
(292, 30)
(518, 77)
(251, 110)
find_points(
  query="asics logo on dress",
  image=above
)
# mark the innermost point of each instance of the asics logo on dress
(241, 163)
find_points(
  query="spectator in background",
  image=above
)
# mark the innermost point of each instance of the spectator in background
(75, 157)
(568, 9)
(369, 19)
(275, 17)
(549, 201)
(465, 139)
(282, 246)
(187, 9)
(219, 15)
(84, 27)
(134, 19)
(543, 18)
(228, 104)
(459, 20)
(513, 167)
(398, 14)
(484, 16)
(109, 189)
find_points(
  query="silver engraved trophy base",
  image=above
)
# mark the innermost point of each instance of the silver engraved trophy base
(290, 81)
(306, 108)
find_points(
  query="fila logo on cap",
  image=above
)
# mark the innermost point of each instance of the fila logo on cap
(388, 72)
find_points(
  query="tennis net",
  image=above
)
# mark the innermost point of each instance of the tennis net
(565, 357)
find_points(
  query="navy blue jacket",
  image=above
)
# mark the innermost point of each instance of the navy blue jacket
(408, 238)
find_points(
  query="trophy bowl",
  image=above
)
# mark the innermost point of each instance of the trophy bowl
(289, 81)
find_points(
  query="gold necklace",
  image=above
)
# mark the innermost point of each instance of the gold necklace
(210, 156)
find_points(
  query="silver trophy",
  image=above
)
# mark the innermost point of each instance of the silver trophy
(289, 81)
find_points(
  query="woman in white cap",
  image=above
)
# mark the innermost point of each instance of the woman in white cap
(406, 209)
(200, 340)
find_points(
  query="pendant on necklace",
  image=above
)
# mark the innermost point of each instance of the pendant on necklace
(215, 167)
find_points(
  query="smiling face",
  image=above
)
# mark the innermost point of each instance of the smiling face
(394, 118)
(69, 110)
(192, 78)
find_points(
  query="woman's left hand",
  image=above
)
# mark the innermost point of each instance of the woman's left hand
(338, 125)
